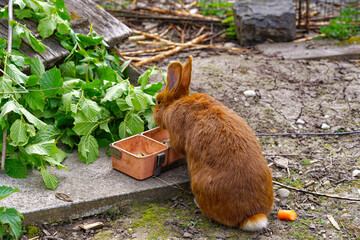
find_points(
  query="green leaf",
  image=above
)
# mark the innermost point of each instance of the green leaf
(18, 133)
(148, 115)
(51, 79)
(138, 99)
(68, 69)
(19, 59)
(46, 26)
(66, 139)
(5, 85)
(36, 100)
(32, 81)
(17, 32)
(50, 181)
(49, 134)
(34, 120)
(88, 149)
(144, 78)
(46, 148)
(20, 3)
(9, 106)
(15, 168)
(12, 217)
(37, 67)
(23, 13)
(107, 73)
(105, 126)
(34, 42)
(63, 28)
(134, 123)
(16, 74)
(115, 91)
(67, 99)
(84, 124)
(6, 191)
(89, 108)
(152, 89)
(87, 41)
(123, 105)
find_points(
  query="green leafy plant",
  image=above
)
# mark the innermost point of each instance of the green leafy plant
(86, 102)
(344, 26)
(306, 161)
(222, 10)
(10, 218)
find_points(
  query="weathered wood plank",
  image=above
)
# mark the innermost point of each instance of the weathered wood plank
(104, 24)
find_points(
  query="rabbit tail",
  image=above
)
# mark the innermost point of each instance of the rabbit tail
(255, 222)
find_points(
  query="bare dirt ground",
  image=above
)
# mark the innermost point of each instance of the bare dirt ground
(290, 97)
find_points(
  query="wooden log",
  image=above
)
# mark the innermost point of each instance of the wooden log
(104, 23)
(172, 51)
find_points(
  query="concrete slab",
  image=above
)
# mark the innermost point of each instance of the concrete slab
(315, 49)
(94, 188)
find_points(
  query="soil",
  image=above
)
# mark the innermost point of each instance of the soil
(302, 96)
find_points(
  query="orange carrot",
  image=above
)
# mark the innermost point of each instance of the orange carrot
(287, 215)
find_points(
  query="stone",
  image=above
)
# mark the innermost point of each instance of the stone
(250, 93)
(356, 173)
(300, 121)
(281, 162)
(259, 20)
(283, 193)
(325, 126)
(187, 235)
(193, 11)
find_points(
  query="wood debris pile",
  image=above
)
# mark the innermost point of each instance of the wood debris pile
(161, 30)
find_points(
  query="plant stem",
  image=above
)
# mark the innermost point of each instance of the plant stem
(10, 37)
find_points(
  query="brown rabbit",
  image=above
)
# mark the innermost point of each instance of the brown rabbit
(231, 181)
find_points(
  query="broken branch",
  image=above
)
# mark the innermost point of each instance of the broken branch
(315, 193)
(172, 51)
(146, 51)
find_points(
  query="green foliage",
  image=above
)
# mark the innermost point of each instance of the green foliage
(344, 26)
(10, 218)
(86, 102)
(221, 9)
(305, 161)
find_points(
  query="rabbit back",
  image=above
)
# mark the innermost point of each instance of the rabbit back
(229, 177)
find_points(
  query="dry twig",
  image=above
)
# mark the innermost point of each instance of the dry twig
(309, 38)
(171, 51)
(315, 193)
(146, 51)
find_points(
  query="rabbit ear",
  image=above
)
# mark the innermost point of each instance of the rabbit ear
(174, 73)
(186, 74)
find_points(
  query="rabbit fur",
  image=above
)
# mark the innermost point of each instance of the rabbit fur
(230, 179)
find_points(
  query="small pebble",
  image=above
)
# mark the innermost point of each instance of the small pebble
(283, 193)
(325, 126)
(312, 226)
(250, 93)
(356, 173)
(187, 235)
(281, 162)
(193, 11)
(300, 121)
